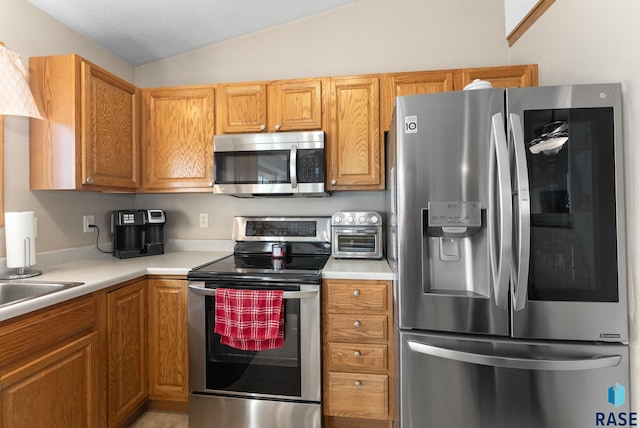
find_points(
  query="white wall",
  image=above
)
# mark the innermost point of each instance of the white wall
(578, 41)
(369, 36)
(30, 32)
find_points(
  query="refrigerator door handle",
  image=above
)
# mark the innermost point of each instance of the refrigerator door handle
(590, 363)
(520, 264)
(499, 171)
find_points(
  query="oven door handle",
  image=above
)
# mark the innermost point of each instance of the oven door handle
(287, 294)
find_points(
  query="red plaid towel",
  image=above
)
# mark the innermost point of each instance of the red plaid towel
(251, 320)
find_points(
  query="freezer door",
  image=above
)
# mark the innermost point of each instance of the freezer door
(448, 382)
(570, 276)
(451, 211)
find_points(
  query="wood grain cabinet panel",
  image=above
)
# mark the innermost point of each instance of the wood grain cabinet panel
(354, 145)
(177, 136)
(358, 354)
(127, 351)
(272, 106)
(510, 76)
(51, 370)
(57, 390)
(168, 346)
(88, 139)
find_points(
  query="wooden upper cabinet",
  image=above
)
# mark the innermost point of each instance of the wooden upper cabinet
(242, 107)
(354, 144)
(296, 105)
(286, 105)
(177, 138)
(411, 83)
(509, 76)
(88, 139)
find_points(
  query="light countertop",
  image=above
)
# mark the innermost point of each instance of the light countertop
(104, 270)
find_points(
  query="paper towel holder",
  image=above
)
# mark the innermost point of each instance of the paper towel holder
(23, 272)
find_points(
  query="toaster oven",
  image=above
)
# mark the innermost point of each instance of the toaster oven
(356, 235)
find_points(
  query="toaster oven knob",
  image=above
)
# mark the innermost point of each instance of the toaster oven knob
(356, 324)
(338, 219)
(374, 219)
(350, 219)
(356, 293)
(356, 354)
(362, 219)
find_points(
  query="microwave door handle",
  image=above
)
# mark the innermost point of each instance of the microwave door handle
(293, 166)
(499, 166)
(520, 265)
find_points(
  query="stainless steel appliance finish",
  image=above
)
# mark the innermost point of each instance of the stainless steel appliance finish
(357, 235)
(506, 234)
(277, 388)
(270, 164)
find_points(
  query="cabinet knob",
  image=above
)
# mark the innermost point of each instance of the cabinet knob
(356, 354)
(356, 324)
(89, 180)
(334, 182)
(263, 127)
(356, 293)
(358, 384)
(277, 126)
(211, 184)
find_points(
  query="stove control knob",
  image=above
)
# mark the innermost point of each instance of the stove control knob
(350, 219)
(362, 219)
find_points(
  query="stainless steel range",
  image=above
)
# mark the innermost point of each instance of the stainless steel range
(274, 388)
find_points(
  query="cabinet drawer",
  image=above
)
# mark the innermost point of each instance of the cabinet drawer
(355, 295)
(357, 327)
(357, 356)
(358, 395)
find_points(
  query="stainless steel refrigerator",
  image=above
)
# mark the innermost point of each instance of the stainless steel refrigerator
(506, 233)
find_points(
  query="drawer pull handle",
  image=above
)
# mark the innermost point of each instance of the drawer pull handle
(356, 324)
(356, 354)
(356, 293)
(358, 384)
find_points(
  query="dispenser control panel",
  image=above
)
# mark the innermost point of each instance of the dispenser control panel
(455, 214)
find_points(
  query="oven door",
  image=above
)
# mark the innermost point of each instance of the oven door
(291, 372)
(358, 242)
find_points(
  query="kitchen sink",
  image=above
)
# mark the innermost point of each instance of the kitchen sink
(18, 291)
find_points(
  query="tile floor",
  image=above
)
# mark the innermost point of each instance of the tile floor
(157, 419)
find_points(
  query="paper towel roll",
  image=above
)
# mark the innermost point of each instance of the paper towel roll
(18, 226)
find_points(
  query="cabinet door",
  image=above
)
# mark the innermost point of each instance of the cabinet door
(510, 76)
(177, 138)
(242, 107)
(168, 346)
(127, 351)
(56, 390)
(411, 83)
(354, 144)
(109, 137)
(296, 105)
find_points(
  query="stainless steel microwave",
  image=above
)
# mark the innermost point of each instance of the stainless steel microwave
(269, 164)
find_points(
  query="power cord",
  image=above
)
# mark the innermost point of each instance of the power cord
(98, 237)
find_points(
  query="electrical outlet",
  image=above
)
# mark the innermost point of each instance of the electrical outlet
(204, 220)
(86, 221)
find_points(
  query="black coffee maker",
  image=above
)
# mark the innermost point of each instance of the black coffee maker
(137, 233)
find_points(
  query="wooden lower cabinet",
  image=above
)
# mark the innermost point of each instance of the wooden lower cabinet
(50, 368)
(126, 352)
(168, 346)
(358, 354)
